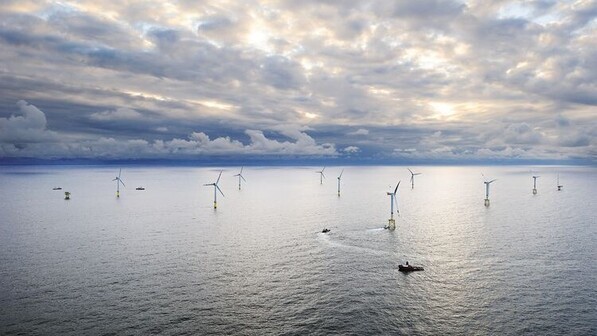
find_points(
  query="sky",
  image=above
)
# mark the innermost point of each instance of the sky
(334, 81)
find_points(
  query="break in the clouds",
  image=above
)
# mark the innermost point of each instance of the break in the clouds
(389, 80)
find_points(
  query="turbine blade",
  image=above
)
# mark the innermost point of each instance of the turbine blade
(322, 174)
(242, 177)
(219, 189)
(116, 179)
(119, 172)
(241, 170)
(395, 190)
(409, 170)
(492, 180)
(119, 180)
(323, 169)
(342, 172)
(218, 180)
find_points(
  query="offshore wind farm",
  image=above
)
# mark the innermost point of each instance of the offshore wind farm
(254, 146)
(169, 258)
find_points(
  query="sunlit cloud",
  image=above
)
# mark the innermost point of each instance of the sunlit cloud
(490, 77)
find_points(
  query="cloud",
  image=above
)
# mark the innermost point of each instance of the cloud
(28, 126)
(497, 73)
(360, 131)
(351, 149)
(121, 113)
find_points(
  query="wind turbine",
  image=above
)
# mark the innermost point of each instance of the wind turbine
(535, 185)
(216, 189)
(393, 200)
(118, 182)
(339, 178)
(559, 185)
(321, 176)
(240, 176)
(487, 183)
(412, 178)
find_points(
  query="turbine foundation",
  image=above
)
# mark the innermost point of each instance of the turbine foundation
(534, 191)
(66, 195)
(215, 205)
(391, 224)
(487, 202)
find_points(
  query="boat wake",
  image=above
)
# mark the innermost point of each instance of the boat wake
(333, 242)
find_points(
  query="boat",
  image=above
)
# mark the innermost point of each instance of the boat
(409, 268)
(56, 188)
(325, 230)
(139, 188)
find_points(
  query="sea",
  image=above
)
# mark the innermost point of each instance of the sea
(164, 261)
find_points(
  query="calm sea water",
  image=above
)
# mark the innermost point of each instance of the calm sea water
(163, 261)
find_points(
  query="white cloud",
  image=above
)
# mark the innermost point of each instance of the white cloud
(121, 113)
(28, 127)
(351, 149)
(360, 131)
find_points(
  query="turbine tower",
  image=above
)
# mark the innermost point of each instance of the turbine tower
(321, 176)
(118, 182)
(240, 176)
(535, 185)
(339, 178)
(393, 200)
(487, 183)
(412, 178)
(216, 189)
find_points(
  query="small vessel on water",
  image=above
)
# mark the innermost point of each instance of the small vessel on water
(326, 230)
(57, 188)
(140, 188)
(409, 268)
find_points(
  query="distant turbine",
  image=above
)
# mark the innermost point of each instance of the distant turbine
(393, 200)
(321, 176)
(412, 178)
(118, 182)
(535, 185)
(339, 178)
(559, 185)
(487, 183)
(240, 176)
(216, 189)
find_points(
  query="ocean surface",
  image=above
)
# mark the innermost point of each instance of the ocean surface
(163, 261)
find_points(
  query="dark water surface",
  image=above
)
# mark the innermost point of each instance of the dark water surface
(163, 261)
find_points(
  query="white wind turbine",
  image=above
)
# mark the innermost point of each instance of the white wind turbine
(393, 200)
(118, 182)
(412, 178)
(240, 176)
(321, 176)
(535, 184)
(339, 178)
(216, 189)
(487, 183)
